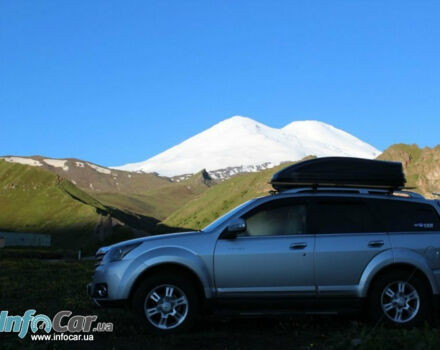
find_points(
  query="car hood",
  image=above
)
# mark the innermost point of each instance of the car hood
(153, 238)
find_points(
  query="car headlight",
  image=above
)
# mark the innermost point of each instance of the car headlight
(118, 253)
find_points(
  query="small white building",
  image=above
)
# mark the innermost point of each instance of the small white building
(16, 239)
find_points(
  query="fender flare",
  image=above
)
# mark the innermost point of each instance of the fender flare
(167, 255)
(389, 258)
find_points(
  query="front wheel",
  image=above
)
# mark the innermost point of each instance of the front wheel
(166, 303)
(400, 299)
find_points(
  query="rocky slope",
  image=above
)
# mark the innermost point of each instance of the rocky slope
(421, 165)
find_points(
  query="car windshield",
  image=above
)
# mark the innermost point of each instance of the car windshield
(225, 217)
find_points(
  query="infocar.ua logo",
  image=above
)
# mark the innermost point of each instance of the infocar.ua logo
(32, 322)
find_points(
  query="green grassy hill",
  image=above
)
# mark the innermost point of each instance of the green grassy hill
(35, 200)
(145, 194)
(161, 201)
(221, 198)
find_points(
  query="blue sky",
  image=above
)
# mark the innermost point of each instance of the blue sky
(119, 81)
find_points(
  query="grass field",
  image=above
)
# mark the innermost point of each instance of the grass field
(52, 286)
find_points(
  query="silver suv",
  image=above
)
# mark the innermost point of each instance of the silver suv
(308, 250)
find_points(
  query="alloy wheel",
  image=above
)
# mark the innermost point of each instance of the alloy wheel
(400, 301)
(166, 306)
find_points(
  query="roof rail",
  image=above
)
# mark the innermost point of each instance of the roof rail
(371, 191)
(408, 193)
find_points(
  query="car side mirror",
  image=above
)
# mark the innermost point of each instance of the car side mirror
(235, 226)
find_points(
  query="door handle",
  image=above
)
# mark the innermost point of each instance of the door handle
(299, 245)
(375, 244)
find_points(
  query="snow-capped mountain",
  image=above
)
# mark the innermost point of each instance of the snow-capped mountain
(246, 143)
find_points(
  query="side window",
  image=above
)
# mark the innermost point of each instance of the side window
(278, 217)
(404, 216)
(339, 215)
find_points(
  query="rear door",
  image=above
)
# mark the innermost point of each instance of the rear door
(413, 225)
(349, 234)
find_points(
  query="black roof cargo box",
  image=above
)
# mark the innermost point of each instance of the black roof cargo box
(341, 172)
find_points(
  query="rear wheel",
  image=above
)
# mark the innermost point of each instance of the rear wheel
(399, 298)
(166, 303)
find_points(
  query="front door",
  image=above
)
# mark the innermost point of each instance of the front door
(273, 257)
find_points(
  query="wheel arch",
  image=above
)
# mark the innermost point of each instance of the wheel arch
(395, 259)
(168, 267)
(411, 269)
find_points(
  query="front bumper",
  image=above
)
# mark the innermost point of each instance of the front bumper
(107, 303)
(108, 288)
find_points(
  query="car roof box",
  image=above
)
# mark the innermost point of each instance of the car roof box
(341, 172)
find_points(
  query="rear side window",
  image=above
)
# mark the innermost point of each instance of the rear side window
(279, 217)
(401, 216)
(339, 215)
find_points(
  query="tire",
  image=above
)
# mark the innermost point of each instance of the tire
(172, 303)
(400, 299)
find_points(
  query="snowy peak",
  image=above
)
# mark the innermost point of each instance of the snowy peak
(315, 129)
(325, 136)
(243, 142)
(237, 120)
(236, 125)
